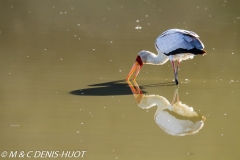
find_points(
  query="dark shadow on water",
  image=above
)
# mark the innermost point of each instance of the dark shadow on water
(161, 84)
(112, 88)
(119, 87)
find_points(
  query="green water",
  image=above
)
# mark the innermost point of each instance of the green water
(63, 65)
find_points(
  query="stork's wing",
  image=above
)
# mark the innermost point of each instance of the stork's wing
(177, 41)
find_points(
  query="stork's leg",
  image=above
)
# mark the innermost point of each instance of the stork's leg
(175, 96)
(175, 74)
(177, 69)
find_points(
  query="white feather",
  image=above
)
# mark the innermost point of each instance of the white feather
(174, 39)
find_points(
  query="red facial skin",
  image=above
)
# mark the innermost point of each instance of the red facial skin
(139, 60)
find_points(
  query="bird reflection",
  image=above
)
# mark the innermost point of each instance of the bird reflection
(175, 118)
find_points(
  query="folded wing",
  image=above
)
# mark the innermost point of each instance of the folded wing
(176, 41)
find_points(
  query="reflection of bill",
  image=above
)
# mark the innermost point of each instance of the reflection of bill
(174, 118)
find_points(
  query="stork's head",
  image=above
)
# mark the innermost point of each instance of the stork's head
(140, 60)
(143, 55)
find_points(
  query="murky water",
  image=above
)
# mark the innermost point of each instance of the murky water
(63, 65)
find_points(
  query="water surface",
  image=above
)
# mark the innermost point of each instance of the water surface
(63, 65)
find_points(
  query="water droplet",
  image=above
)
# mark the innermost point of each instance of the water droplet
(14, 125)
(138, 27)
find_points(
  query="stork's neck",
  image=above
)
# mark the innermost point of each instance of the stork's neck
(151, 58)
(149, 101)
